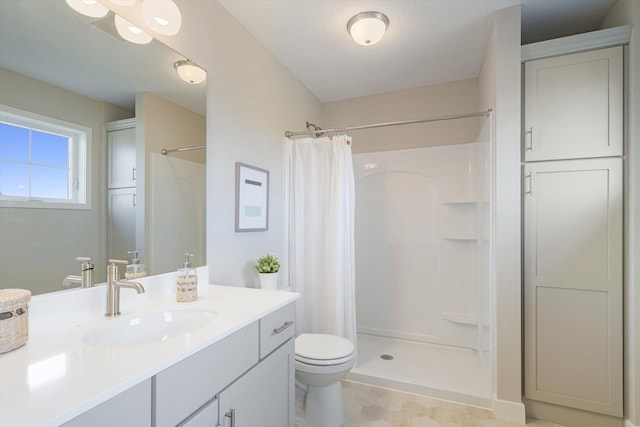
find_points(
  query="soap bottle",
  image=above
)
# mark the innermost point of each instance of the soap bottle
(187, 281)
(135, 269)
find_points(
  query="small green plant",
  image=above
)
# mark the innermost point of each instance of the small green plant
(268, 264)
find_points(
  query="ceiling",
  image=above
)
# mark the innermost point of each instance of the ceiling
(428, 41)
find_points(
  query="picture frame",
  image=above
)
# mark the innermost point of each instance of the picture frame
(252, 198)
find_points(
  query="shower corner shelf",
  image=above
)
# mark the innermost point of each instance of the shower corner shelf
(462, 318)
(463, 236)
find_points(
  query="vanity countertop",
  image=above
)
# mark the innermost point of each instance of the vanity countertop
(55, 376)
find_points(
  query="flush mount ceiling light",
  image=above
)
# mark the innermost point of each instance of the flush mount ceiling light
(162, 16)
(130, 32)
(190, 72)
(88, 7)
(367, 28)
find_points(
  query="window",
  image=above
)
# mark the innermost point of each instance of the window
(43, 161)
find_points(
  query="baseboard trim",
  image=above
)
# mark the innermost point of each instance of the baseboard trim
(570, 417)
(628, 423)
(509, 411)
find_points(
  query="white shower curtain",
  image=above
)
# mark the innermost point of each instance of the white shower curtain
(321, 234)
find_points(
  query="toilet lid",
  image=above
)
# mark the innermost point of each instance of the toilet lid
(323, 349)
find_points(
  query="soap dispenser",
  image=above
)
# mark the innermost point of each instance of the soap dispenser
(135, 269)
(187, 281)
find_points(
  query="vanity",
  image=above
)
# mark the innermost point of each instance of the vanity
(228, 362)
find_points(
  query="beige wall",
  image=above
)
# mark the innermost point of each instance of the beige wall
(51, 239)
(500, 90)
(171, 126)
(162, 124)
(625, 12)
(251, 101)
(418, 103)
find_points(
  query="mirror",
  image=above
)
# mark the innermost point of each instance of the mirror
(56, 63)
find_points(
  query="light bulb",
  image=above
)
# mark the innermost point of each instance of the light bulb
(162, 16)
(130, 32)
(88, 7)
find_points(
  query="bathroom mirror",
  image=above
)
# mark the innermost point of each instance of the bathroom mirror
(56, 63)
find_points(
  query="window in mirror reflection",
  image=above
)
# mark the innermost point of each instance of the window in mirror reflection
(43, 162)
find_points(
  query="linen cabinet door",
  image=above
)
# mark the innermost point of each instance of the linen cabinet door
(264, 396)
(573, 284)
(573, 106)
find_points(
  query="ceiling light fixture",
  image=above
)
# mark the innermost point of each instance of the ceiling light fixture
(130, 32)
(89, 8)
(162, 16)
(367, 28)
(190, 72)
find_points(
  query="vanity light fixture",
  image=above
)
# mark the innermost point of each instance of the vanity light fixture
(190, 72)
(162, 16)
(123, 2)
(368, 28)
(130, 32)
(89, 8)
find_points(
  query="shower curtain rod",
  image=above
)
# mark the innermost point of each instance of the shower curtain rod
(486, 113)
(198, 147)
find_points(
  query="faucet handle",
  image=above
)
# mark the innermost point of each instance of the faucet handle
(118, 261)
(86, 262)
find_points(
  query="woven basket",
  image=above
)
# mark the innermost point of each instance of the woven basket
(14, 318)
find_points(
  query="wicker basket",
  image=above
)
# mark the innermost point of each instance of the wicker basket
(14, 318)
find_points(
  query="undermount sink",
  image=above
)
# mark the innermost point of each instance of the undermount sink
(149, 326)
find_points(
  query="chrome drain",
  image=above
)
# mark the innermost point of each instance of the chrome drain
(386, 357)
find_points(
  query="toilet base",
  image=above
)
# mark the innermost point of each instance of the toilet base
(324, 406)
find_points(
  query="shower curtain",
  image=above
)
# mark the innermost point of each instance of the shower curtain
(321, 234)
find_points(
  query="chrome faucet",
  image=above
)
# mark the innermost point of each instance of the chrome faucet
(86, 278)
(114, 285)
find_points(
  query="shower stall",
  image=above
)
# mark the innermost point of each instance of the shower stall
(423, 294)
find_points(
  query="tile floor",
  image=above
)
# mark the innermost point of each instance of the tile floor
(369, 406)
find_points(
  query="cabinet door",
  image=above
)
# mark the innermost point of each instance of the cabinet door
(205, 417)
(121, 222)
(264, 396)
(573, 284)
(573, 106)
(121, 158)
(131, 408)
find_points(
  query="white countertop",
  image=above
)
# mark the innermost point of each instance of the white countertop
(55, 376)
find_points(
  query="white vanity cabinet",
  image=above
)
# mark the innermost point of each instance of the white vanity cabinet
(262, 397)
(249, 374)
(131, 408)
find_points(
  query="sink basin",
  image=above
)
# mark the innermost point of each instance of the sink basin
(149, 326)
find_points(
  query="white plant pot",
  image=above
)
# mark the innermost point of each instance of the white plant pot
(268, 280)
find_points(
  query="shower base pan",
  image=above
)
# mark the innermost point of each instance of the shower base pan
(434, 370)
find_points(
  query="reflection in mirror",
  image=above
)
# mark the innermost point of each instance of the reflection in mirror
(64, 70)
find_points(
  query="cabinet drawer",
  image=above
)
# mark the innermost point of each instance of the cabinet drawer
(205, 417)
(185, 387)
(276, 328)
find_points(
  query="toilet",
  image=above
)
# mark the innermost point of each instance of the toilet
(321, 362)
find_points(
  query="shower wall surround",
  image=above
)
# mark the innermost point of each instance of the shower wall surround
(422, 248)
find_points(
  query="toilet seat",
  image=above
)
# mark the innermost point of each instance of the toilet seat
(323, 349)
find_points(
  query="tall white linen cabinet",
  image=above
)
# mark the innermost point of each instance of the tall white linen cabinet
(573, 235)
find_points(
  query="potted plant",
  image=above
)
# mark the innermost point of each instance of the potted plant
(268, 267)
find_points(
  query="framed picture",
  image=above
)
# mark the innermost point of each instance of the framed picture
(252, 198)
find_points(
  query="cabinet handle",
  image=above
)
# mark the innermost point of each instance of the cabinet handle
(231, 414)
(282, 328)
(530, 178)
(135, 200)
(133, 173)
(530, 133)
